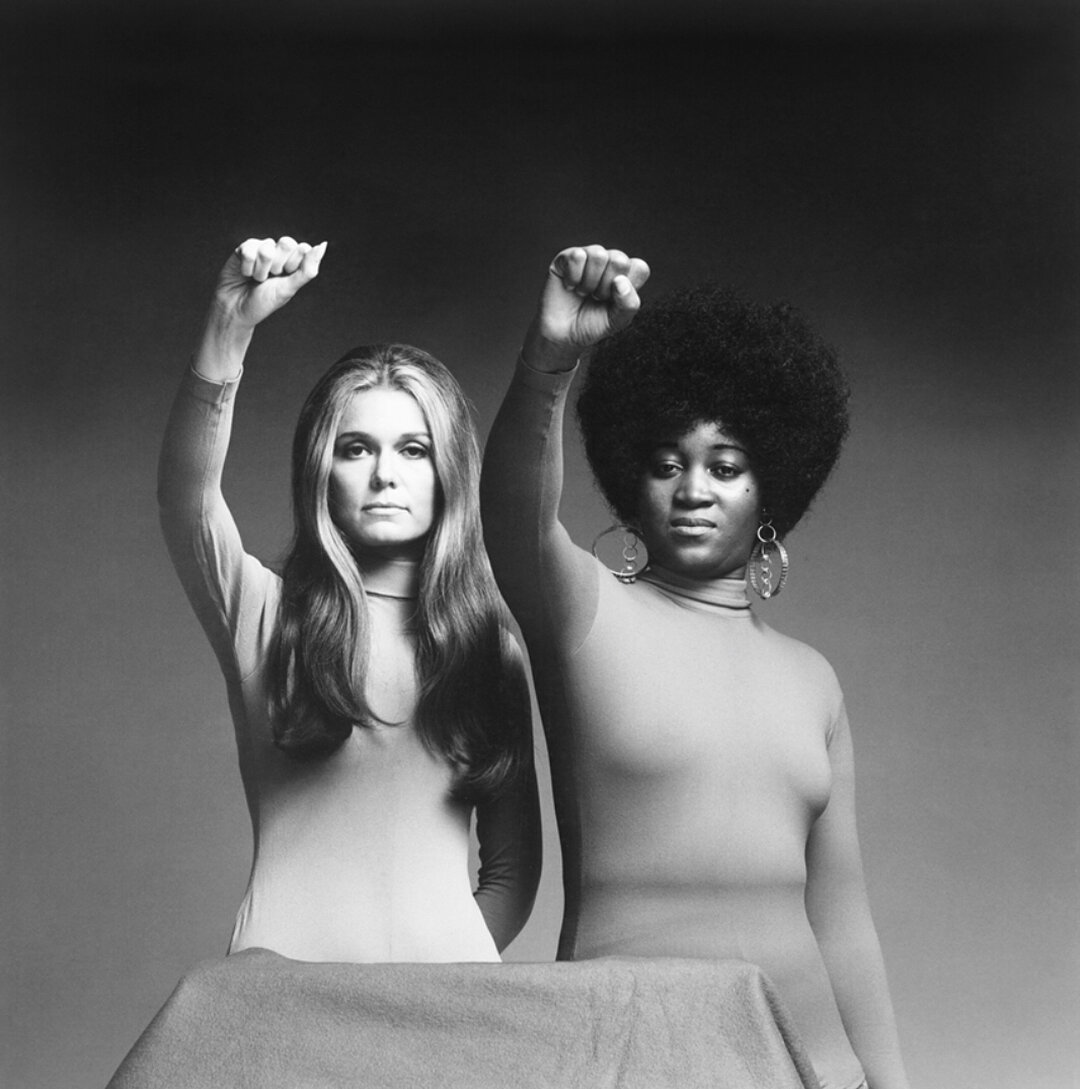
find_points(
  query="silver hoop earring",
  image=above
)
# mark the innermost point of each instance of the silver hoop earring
(760, 567)
(630, 544)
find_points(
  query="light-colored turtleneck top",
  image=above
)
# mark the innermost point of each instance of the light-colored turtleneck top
(362, 855)
(701, 762)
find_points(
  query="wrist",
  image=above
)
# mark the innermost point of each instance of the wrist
(226, 327)
(550, 356)
(224, 343)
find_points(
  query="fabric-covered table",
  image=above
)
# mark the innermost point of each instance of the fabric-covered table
(256, 1020)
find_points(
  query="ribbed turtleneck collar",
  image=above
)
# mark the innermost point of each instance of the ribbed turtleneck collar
(728, 593)
(391, 578)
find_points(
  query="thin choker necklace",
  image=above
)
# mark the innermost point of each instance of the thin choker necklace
(725, 593)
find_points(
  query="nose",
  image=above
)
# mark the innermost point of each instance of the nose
(384, 472)
(693, 489)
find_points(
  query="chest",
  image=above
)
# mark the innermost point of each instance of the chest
(699, 707)
(390, 684)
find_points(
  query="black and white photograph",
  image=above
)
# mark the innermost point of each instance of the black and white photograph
(540, 544)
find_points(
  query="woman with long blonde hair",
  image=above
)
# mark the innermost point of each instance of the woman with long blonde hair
(377, 698)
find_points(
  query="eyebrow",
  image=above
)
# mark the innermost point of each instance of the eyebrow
(715, 446)
(408, 436)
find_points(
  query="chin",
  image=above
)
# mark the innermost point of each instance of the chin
(375, 543)
(700, 567)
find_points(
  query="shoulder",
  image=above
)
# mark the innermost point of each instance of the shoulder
(803, 660)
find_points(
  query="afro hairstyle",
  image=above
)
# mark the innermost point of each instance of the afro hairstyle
(706, 354)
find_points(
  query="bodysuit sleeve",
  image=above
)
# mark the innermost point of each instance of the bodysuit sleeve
(839, 911)
(508, 831)
(549, 583)
(226, 587)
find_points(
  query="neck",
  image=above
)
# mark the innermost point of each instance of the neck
(728, 592)
(387, 577)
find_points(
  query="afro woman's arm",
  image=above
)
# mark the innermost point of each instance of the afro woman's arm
(549, 583)
(839, 911)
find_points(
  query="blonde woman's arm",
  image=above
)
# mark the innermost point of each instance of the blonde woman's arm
(508, 827)
(258, 278)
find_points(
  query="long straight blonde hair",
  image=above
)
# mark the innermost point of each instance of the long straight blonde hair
(466, 711)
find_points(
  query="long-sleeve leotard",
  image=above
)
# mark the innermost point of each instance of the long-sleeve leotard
(361, 856)
(701, 761)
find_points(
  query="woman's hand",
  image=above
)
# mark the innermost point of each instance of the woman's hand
(260, 276)
(590, 293)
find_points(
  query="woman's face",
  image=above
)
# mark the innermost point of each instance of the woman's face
(383, 488)
(699, 505)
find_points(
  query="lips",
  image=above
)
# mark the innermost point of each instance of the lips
(383, 508)
(691, 529)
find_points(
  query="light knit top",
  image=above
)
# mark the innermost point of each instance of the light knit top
(362, 855)
(701, 762)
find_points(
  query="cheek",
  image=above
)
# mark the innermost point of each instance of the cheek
(740, 504)
(749, 492)
(653, 501)
(430, 482)
(424, 485)
(333, 491)
(344, 488)
(751, 509)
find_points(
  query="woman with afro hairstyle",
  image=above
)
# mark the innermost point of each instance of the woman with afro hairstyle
(701, 761)
(377, 698)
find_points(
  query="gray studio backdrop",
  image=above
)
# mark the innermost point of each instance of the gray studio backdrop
(910, 184)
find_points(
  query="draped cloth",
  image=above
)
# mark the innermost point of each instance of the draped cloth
(256, 1020)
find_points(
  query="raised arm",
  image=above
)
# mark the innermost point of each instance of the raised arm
(508, 828)
(259, 278)
(549, 584)
(839, 912)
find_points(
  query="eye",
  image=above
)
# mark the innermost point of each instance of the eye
(352, 449)
(665, 469)
(724, 470)
(415, 451)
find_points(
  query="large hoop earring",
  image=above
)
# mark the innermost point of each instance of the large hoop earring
(760, 567)
(630, 543)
